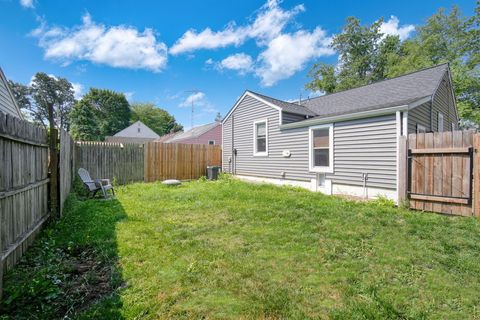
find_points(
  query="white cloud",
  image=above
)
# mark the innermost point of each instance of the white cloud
(129, 95)
(26, 3)
(288, 53)
(391, 27)
(78, 90)
(197, 97)
(117, 46)
(240, 62)
(269, 23)
(200, 101)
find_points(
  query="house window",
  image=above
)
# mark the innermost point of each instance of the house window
(211, 142)
(260, 138)
(440, 122)
(421, 129)
(321, 148)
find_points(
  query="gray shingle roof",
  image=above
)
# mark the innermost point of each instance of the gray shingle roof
(404, 89)
(286, 106)
(194, 132)
(401, 90)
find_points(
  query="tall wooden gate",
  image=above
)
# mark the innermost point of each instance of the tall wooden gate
(440, 172)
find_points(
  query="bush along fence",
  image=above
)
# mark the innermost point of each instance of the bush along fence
(440, 172)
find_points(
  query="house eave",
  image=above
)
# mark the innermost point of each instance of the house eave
(344, 117)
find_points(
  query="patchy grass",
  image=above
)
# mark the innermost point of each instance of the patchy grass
(229, 249)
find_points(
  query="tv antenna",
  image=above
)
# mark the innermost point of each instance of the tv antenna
(192, 92)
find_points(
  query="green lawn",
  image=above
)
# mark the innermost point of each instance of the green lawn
(228, 249)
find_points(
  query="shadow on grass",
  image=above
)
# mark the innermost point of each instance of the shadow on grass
(72, 269)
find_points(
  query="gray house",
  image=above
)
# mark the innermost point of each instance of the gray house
(8, 104)
(341, 143)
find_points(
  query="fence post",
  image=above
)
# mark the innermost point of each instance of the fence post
(476, 175)
(402, 169)
(53, 141)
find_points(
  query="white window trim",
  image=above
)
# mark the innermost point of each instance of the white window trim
(211, 143)
(438, 122)
(421, 129)
(255, 153)
(311, 167)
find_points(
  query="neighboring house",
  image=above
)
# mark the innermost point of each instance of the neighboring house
(341, 143)
(168, 136)
(136, 133)
(8, 104)
(206, 134)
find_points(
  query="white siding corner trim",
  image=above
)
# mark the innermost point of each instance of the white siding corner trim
(311, 166)
(255, 153)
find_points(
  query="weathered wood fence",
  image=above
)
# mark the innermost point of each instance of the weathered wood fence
(115, 161)
(66, 166)
(152, 161)
(23, 187)
(179, 161)
(439, 172)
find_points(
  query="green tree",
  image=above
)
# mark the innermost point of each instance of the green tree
(98, 114)
(44, 92)
(363, 56)
(366, 55)
(157, 119)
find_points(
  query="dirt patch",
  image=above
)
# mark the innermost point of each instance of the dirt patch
(89, 279)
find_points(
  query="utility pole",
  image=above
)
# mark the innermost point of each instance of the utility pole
(192, 92)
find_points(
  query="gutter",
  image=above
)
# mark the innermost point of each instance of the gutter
(344, 117)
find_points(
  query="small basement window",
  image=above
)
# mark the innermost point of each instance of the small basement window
(211, 142)
(260, 137)
(321, 148)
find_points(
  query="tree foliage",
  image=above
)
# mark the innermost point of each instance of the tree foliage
(44, 92)
(157, 119)
(366, 55)
(98, 114)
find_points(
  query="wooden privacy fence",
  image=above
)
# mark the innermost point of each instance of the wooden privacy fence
(122, 162)
(437, 172)
(153, 161)
(23, 187)
(179, 161)
(66, 166)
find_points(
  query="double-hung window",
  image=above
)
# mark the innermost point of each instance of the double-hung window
(321, 148)
(260, 138)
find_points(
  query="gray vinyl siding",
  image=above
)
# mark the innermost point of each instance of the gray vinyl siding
(291, 117)
(227, 145)
(250, 110)
(365, 145)
(6, 103)
(419, 115)
(443, 101)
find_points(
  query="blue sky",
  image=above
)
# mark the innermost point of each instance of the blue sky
(159, 51)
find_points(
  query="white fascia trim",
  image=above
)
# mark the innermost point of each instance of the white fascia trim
(250, 94)
(399, 124)
(405, 123)
(312, 168)
(255, 153)
(419, 102)
(344, 117)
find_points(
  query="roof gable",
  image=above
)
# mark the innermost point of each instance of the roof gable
(137, 130)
